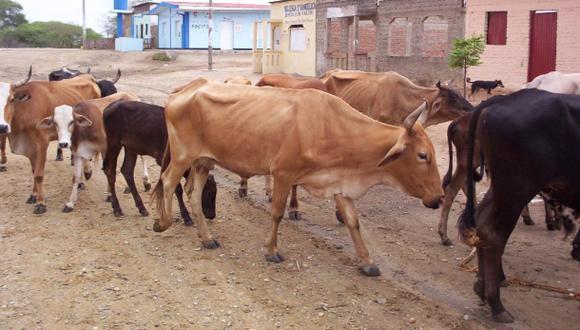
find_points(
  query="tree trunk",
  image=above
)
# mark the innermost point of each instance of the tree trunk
(465, 80)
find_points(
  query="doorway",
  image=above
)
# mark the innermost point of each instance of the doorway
(543, 26)
(227, 35)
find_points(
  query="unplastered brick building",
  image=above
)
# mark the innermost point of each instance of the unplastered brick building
(411, 37)
(525, 38)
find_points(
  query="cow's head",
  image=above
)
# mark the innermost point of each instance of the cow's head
(8, 96)
(411, 162)
(447, 105)
(64, 73)
(65, 120)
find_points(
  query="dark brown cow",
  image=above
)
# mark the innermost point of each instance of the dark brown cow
(31, 103)
(287, 81)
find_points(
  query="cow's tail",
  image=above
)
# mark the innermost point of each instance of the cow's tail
(450, 133)
(466, 222)
(468, 80)
(114, 81)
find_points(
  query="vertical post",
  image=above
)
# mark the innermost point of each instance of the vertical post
(209, 39)
(84, 26)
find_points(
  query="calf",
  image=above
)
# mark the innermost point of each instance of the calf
(529, 141)
(484, 84)
(140, 128)
(81, 128)
(315, 140)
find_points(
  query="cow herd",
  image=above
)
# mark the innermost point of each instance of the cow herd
(335, 136)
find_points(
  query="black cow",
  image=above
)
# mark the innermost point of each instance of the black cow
(107, 87)
(484, 84)
(140, 128)
(65, 73)
(529, 141)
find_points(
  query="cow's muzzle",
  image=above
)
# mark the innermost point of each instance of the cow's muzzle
(63, 145)
(434, 203)
(4, 129)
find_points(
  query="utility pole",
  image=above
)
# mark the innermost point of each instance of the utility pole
(209, 40)
(84, 26)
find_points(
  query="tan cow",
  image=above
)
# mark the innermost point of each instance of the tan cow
(288, 81)
(389, 97)
(34, 101)
(238, 80)
(81, 127)
(314, 139)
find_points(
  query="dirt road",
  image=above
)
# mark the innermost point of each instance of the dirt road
(88, 269)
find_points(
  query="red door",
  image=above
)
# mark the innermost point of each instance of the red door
(542, 44)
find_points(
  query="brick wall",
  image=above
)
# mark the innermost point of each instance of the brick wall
(510, 62)
(367, 35)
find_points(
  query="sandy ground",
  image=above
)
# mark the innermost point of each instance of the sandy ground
(88, 269)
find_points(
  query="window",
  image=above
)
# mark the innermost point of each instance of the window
(435, 39)
(147, 29)
(297, 38)
(400, 37)
(496, 27)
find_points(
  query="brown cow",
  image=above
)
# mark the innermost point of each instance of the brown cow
(314, 139)
(287, 81)
(34, 101)
(238, 80)
(389, 97)
(81, 127)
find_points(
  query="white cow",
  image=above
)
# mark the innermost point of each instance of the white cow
(557, 82)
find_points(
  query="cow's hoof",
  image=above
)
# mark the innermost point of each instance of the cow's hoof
(81, 187)
(503, 317)
(242, 192)
(275, 258)
(339, 217)
(144, 212)
(67, 209)
(109, 199)
(157, 228)
(478, 289)
(31, 199)
(147, 186)
(88, 174)
(550, 226)
(127, 190)
(576, 252)
(117, 213)
(59, 158)
(2, 168)
(370, 270)
(188, 222)
(294, 215)
(504, 284)
(211, 244)
(39, 209)
(528, 221)
(447, 242)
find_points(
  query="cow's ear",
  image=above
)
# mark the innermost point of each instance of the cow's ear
(46, 123)
(82, 121)
(435, 107)
(395, 152)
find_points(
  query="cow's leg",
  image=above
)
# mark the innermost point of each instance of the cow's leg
(77, 171)
(576, 246)
(166, 188)
(182, 209)
(346, 208)
(269, 183)
(200, 175)
(243, 190)
(128, 171)
(59, 157)
(280, 193)
(550, 221)
(146, 177)
(526, 216)
(40, 206)
(293, 213)
(32, 198)
(110, 169)
(3, 159)
(450, 193)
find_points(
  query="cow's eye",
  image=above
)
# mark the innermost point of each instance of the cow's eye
(423, 156)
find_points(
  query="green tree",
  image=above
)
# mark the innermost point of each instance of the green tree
(11, 14)
(47, 34)
(466, 52)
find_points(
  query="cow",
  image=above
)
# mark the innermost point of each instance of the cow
(31, 102)
(529, 141)
(7, 99)
(287, 81)
(557, 82)
(315, 140)
(238, 80)
(487, 85)
(140, 129)
(80, 127)
(65, 73)
(389, 97)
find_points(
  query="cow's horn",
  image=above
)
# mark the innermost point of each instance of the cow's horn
(24, 81)
(412, 118)
(117, 77)
(89, 70)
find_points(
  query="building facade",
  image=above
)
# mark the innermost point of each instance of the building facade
(411, 37)
(144, 25)
(287, 42)
(185, 24)
(525, 38)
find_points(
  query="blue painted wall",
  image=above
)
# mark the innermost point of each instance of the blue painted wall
(197, 34)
